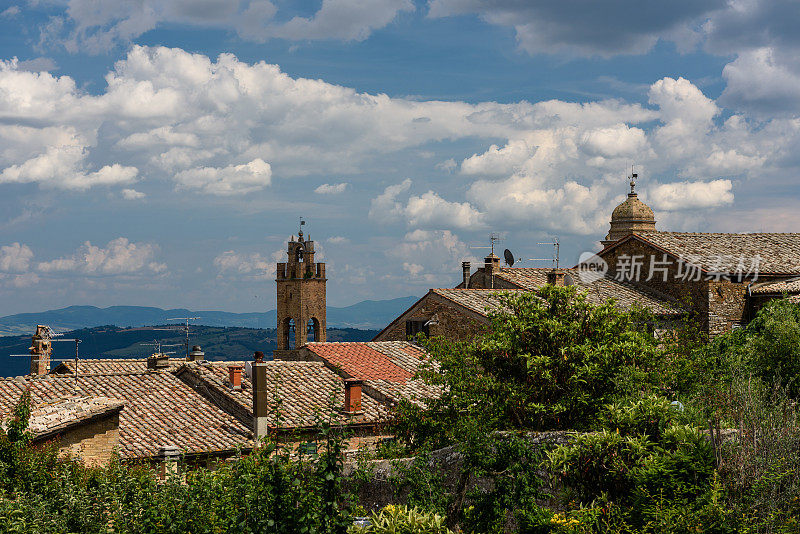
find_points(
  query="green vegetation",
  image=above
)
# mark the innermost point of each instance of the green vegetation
(563, 418)
(675, 434)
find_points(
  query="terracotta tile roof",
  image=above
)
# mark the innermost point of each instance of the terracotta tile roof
(303, 393)
(783, 286)
(525, 277)
(597, 292)
(159, 410)
(387, 367)
(50, 418)
(482, 301)
(715, 252)
(110, 366)
(360, 360)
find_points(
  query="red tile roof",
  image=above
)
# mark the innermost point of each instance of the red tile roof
(361, 360)
(159, 410)
(301, 393)
(387, 367)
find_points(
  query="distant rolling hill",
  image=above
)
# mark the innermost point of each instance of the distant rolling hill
(219, 343)
(368, 314)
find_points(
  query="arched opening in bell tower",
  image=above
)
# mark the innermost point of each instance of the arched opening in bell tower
(313, 333)
(288, 333)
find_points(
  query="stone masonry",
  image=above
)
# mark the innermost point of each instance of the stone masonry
(301, 297)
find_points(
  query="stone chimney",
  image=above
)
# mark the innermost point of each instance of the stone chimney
(352, 396)
(260, 407)
(197, 354)
(491, 266)
(158, 362)
(168, 456)
(41, 348)
(465, 269)
(556, 277)
(235, 376)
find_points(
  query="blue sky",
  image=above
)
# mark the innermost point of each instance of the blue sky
(161, 152)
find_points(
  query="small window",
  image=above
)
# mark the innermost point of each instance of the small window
(415, 327)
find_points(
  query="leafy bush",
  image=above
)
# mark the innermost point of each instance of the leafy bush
(265, 491)
(646, 465)
(403, 520)
(767, 348)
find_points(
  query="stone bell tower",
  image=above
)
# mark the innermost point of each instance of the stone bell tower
(301, 297)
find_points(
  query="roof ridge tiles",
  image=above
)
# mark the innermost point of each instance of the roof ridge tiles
(716, 233)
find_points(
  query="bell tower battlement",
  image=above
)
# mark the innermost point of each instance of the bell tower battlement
(301, 297)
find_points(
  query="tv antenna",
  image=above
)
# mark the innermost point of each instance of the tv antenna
(158, 345)
(186, 328)
(46, 334)
(556, 252)
(494, 237)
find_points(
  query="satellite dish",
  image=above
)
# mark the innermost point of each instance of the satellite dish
(509, 257)
(568, 280)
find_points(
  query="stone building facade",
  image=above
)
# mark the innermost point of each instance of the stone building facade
(721, 278)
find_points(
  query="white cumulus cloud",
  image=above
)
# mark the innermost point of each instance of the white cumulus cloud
(690, 195)
(118, 257)
(15, 258)
(132, 194)
(230, 180)
(331, 189)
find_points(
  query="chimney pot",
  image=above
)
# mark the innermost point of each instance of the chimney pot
(235, 376)
(490, 267)
(465, 269)
(197, 354)
(260, 405)
(259, 356)
(556, 277)
(40, 350)
(352, 396)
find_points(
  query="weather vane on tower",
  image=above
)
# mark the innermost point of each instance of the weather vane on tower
(634, 176)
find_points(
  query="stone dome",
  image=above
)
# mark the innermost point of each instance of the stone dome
(633, 208)
(630, 217)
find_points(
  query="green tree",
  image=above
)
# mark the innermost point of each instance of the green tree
(549, 360)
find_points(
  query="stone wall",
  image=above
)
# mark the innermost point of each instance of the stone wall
(95, 442)
(717, 305)
(453, 322)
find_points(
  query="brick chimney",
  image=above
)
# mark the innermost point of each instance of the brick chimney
(197, 354)
(260, 407)
(465, 268)
(556, 277)
(235, 376)
(352, 396)
(41, 348)
(491, 266)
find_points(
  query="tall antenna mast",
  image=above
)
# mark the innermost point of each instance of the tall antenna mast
(556, 253)
(494, 237)
(186, 330)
